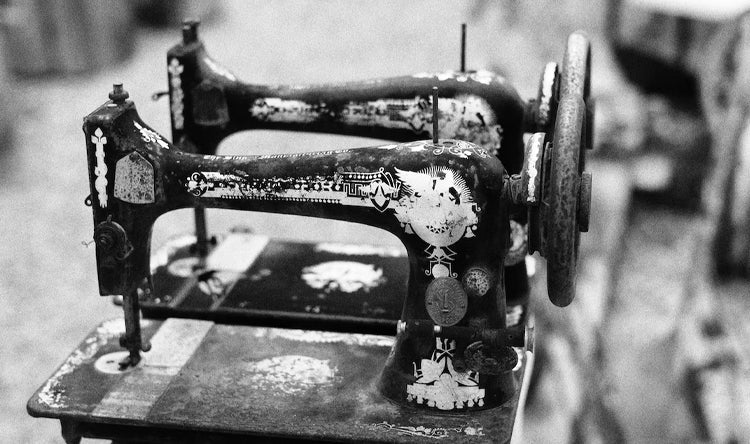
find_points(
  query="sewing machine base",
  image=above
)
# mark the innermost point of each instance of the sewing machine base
(249, 279)
(206, 382)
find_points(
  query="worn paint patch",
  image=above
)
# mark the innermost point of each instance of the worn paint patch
(100, 170)
(134, 179)
(289, 374)
(151, 136)
(177, 99)
(137, 391)
(466, 117)
(533, 173)
(431, 432)
(343, 276)
(440, 385)
(359, 249)
(325, 337)
(53, 393)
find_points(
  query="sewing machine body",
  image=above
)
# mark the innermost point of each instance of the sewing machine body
(208, 103)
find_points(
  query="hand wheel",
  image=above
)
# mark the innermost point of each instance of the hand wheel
(563, 210)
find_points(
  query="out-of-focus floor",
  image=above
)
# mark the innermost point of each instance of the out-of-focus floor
(48, 289)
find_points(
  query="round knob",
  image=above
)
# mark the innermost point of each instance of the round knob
(118, 94)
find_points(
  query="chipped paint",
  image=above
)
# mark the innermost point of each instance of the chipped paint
(325, 337)
(53, 392)
(482, 76)
(440, 385)
(177, 98)
(100, 170)
(532, 172)
(359, 249)
(431, 432)
(466, 117)
(343, 276)
(134, 179)
(289, 374)
(548, 82)
(149, 135)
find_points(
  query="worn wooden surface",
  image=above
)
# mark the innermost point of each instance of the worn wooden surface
(252, 381)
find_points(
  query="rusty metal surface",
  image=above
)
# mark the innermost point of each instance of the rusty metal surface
(251, 381)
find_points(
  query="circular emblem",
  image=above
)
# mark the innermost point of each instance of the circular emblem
(446, 301)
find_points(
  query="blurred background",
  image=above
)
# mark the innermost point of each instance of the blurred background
(654, 349)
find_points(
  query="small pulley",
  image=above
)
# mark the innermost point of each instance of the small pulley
(553, 183)
(112, 240)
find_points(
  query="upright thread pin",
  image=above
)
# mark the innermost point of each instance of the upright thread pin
(435, 115)
(463, 47)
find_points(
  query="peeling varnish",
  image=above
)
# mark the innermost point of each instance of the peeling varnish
(53, 393)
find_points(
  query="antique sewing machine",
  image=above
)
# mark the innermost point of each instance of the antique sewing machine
(208, 104)
(454, 368)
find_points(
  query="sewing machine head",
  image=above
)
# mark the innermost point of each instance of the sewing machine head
(208, 103)
(448, 201)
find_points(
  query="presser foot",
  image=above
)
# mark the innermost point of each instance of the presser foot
(134, 349)
(129, 361)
